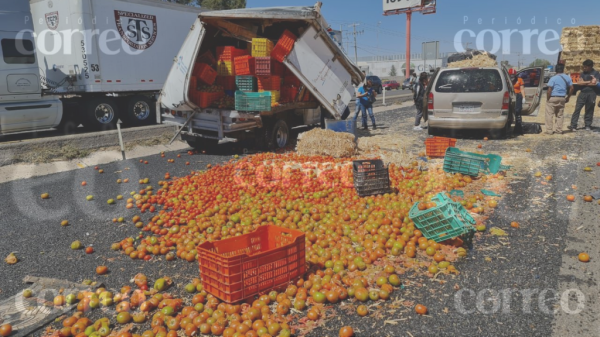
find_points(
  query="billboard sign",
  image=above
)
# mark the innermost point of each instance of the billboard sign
(392, 5)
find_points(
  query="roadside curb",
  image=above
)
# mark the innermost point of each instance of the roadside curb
(11, 153)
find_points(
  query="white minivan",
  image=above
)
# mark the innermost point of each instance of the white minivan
(479, 98)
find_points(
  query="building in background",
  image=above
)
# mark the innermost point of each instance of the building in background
(382, 65)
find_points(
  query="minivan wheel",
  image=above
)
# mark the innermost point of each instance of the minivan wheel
(432, 131)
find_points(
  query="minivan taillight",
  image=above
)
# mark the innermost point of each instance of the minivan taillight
(505, 101)
(430, 101)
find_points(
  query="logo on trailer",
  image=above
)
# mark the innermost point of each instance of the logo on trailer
(139, 31)
(52, 20)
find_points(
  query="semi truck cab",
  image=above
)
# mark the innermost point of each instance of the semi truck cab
(22, 107)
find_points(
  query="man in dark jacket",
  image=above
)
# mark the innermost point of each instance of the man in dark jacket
(589, 90)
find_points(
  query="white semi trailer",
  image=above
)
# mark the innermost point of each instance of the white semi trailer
(69, 62)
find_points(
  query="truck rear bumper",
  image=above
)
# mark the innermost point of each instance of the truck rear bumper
(214, 123)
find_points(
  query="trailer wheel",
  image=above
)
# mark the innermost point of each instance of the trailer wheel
(102, 113)
(140, 110)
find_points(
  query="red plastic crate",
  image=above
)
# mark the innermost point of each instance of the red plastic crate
(229, 53)
(437, 146)
(307, 96)
(291, 80)
(266, 66)
(244, 266)
(288, 94)
(205, 99)
(193, 84)
(267, 83)
(227, 82)
(244, 65)
(207, 58)
(284, 46)
(204, 73)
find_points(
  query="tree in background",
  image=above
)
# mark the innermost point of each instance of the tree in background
(540, 62)
(393, 71)
(213, 4)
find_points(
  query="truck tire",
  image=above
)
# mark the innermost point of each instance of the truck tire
(140, 110)
(203, 144)
(102, 113)
(280, 135)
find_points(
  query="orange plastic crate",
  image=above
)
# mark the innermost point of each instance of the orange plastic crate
(267, 83)
(244, 65)
(205, 73)
(437, 146)
(266, 66)
(575, 77)
(284, 46)
(227, 82)
(244, 266)
(229, 53)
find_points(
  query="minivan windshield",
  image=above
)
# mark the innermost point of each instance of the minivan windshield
(469, 80)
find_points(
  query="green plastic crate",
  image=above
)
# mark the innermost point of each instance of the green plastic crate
(246, 83)
(468, 163)
(253, 101)
(447, 220)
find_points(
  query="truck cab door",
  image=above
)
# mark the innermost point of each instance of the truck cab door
(533, 78)
(174, 94)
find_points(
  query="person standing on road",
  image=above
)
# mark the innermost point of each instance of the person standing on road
(558, 94)
(587, 97)
(413, 81)
(365, 97)
(418, 96)
(519, 87)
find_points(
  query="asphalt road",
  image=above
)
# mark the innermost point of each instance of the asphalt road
(507, 286)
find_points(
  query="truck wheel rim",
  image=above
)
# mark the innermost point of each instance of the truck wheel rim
(104, 113)
(281, 137)
(141, 110)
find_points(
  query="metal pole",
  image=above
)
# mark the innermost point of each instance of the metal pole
(355, 46)
(408, 19)
(121, 139)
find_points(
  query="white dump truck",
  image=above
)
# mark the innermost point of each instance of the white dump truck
(315, 60)
(69, 62)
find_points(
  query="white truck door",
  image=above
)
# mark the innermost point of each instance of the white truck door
(315, 65)
(175, 91)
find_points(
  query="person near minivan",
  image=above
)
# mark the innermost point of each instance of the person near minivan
(365, 98)
(519, 87)
(587, 84)
(558, 94)
(418, 96)
(413, 81)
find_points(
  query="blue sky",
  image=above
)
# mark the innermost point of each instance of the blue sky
(453, 16)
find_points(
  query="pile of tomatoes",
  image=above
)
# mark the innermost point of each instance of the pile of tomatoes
(354, 245)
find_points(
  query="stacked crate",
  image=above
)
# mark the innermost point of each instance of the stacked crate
(579, 44)
(261, 47)
(225, 57)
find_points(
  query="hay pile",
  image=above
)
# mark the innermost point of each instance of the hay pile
(579, 44)
(482, 60)
(319, 142)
